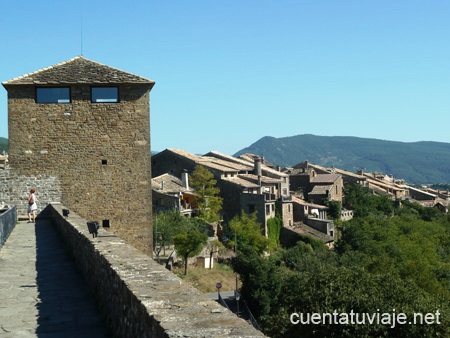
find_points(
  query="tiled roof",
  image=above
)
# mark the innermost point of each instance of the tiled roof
(325, 178)
(264, 179)
(302, 228)
(320, 189)
(241, 182)
(172, 184)
(229, 158)
(349, 173)
(77, 70)
(222, 165)
(312, 205)
(184, 153)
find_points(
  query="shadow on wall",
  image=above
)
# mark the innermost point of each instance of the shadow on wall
(65, 308)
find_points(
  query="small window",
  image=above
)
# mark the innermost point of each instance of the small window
(53, 95)
(104, 94)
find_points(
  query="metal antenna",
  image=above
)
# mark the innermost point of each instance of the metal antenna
(81, 34)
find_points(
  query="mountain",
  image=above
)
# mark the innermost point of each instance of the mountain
(416, 162)
(3, 145)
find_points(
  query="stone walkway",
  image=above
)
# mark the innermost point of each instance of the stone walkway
(41, 292)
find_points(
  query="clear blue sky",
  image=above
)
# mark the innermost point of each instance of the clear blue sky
(230, 72)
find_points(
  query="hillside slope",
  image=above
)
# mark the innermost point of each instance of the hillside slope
(416, 162)
(3, 145)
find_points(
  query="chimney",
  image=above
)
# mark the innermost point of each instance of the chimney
(257, 166)
(162, 185)
(185, 179)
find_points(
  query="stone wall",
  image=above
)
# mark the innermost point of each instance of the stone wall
(14, 190)
(137, 296)
(8, 220)
(98, 152)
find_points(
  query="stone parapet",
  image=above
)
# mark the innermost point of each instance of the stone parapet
(137, 296)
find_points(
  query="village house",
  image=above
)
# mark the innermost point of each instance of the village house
(170, 192)
(381, 184)
(244, 186)
(317, 184)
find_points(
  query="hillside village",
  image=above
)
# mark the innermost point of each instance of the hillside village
(80, 134)
(299, 194)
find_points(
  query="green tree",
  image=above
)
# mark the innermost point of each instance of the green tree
(206, 194)
(274, 226)
(364, 203)
(166, 224)
(334, 209)
(188, 244)
(248, 233)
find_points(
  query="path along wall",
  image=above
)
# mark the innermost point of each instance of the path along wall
(138, 297)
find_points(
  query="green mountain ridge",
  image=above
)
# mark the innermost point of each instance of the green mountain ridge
(416, 162)
(3, 144)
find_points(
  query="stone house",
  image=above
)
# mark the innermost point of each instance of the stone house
(244, 185)
(170, 192)
(315, 183)
(87, 125)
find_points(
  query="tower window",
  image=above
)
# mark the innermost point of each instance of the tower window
(104, 94)
(53, 95)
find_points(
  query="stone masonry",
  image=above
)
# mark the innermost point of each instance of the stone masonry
(139, 297)
(99, 153)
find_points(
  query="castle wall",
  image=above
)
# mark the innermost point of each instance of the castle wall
(14, 190)
(139, 297)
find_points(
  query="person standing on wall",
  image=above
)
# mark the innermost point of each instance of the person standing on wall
(32, 206)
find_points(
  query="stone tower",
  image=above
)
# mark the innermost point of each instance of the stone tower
(88, 125)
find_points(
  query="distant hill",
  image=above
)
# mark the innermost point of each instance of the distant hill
(3, 144)
(416, 162)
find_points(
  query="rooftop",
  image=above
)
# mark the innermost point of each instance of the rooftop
(77, 70)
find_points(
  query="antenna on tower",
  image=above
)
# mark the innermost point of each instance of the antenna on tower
(81, 34)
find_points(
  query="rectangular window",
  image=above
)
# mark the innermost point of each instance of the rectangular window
(104, 94)
(53, 95)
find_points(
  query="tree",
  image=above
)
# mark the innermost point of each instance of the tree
(334, 209)
(188, 244)
(248, 233)
(215, 246)
(166, 225)
(206, 194)
(274, 226)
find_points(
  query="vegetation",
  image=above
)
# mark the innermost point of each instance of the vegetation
(391, 258)
(274, 226)
(188, 244)
(3, 145)
(206, 194)
(187, 235)
(205, 279)
(403, 160)
(213, 247)
(247, 232)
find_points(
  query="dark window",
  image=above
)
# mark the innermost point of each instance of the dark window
(105, 223)
(53, 95)
(104, 94)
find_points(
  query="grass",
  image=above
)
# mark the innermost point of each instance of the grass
(205, 279)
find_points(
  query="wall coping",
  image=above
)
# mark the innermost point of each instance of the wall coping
(164, 305)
